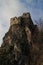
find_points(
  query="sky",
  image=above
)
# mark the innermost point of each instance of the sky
(12, 8)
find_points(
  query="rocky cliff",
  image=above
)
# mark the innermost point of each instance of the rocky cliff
(21, 43)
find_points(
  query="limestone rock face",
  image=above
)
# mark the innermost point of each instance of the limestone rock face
(20, 44)
(14, 20)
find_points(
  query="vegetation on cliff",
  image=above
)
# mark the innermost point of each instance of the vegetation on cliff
(23, 43)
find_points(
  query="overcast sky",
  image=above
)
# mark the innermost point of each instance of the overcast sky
(11, 8)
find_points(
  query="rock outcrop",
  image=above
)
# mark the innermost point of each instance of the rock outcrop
(20, 44)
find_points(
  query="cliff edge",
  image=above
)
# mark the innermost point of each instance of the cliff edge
(20, 44)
